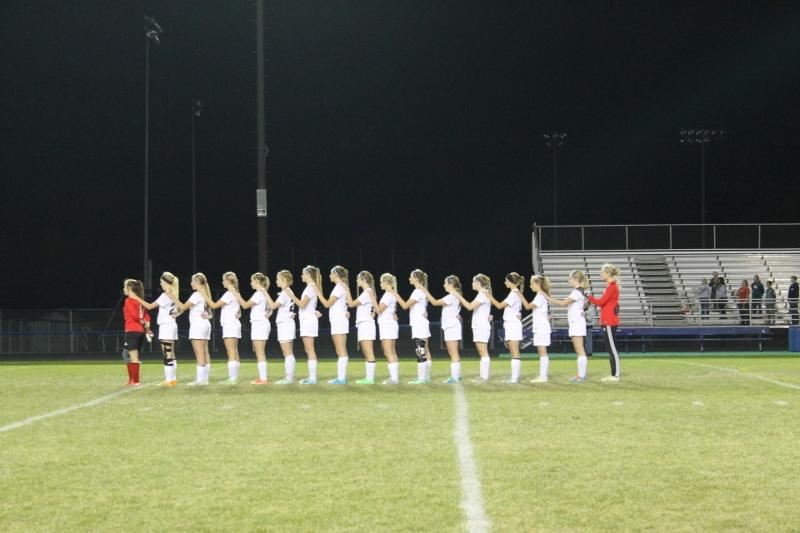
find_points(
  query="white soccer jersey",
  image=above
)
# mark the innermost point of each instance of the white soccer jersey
(417, 313)
(311, 307)
(387, 315)
(541, 323)
(230, 309)
(513, 307)
(450, 311)
(364, 309)
(198, 307)
(480, 315)
(339, 307)
(285, 309)
(575, 309)
(166, 309)
(258, 312)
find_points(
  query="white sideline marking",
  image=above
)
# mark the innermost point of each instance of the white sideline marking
(471, 497)
(781, 402)
(544, 404)
(91, 403)
(734, 371)
(697, 403)
(618, 403)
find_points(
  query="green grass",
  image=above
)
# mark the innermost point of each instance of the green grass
(674, 446)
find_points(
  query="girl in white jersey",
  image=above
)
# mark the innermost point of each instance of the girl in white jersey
(417, 304)
(365, 306)
(199, 325)
(309, 319)
(575, 304)
(231, 325)
(167, 326)
(388, 327)
(512, 321)
(451, 324)
(259, 322)
(541, 324)
(284, 321)
(339, 318)
(481, 308)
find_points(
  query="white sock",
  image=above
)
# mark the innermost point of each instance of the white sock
(262, 370)
(455, 370)
(581, 366)
(516, 366)
(422, 368)
(167, 373)
(312, 369)
(484, 368)
(544, 363)
(233, 370)
(394, 371)
(341, 368)
(201, 371)
(288, 365)
(173, 373)
(207, 372)
(370, 370)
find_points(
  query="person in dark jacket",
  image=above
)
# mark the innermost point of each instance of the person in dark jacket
(756, 295)
(769, 304)
(793, 295)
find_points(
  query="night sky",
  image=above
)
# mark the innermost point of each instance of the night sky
(413, 125)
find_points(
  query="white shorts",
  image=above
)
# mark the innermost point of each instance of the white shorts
(200, 330)
(513, 330)
(259, 331)
(482, 333)
(309, 326)
(340, 325)
(232, 330)
(541, 338)
(286, 331)
(577, 328)
(452, 333)
(389, 330)
(168, 332)
(366, 330)
(421, 330)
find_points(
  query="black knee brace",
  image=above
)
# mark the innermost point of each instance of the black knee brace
(166, 347)
(419, 347)
(168, 361)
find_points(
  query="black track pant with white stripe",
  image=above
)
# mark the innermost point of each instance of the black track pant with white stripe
(610, 334)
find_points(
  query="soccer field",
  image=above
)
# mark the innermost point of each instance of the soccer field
(680, 444)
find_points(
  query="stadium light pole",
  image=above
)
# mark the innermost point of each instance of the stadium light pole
(197, 110)
(702, 137)
(152, 33)
(261, 143)
(555, 140)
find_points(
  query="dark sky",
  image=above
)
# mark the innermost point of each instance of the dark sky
(413, 125)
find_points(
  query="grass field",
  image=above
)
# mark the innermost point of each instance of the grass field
(680, 444)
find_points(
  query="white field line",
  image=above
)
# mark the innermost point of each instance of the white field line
(471, 497)
(58, 412)
(734, 371)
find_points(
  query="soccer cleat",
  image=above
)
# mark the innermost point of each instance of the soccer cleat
(284, 381)
(132, 384)
(259, 381)
(577, 379)
(338, 381)
(419, 382)
(195, 383)
(539, 379)
(365, 381)
(229, 381)
(167, 383)
(308, 381)
(390, 382)
(480, 381)
(611, 378)
(509, 381)
(451, 381)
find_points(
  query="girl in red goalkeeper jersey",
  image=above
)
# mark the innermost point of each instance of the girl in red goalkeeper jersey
(609, 316)
(137, 326)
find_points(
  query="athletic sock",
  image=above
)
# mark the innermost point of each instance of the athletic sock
(312, 369)
(394, 371)
(233, 370)
(206, 373)
(429, 362)
(421, 370)
(581, 366)
(135, 369)
(341, 368)
(484, 367)
(262, 370)
(288, 365)
(455, 370)
(370, 370)
(129, 368)
(516, 366)
(173, 373)
(167, 372)
(544, 363)
(200, 373)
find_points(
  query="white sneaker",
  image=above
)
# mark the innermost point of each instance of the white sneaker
(390, 382)
(539, 379)
(480, 380)
(510, 381)
(611, 378)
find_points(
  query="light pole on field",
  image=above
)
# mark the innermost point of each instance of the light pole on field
(152, 34)
(197, 110)
(555, 140)
(702, 137)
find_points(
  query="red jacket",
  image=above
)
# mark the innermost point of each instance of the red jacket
(135, 316)
(609, 305)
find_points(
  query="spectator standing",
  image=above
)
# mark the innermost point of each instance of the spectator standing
(756, 295)
(769, 302)
(743, 303)
(793, 295)
(703, 297)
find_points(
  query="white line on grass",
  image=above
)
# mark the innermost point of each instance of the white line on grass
(91, 403)
(734, 371)
(471, 497)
